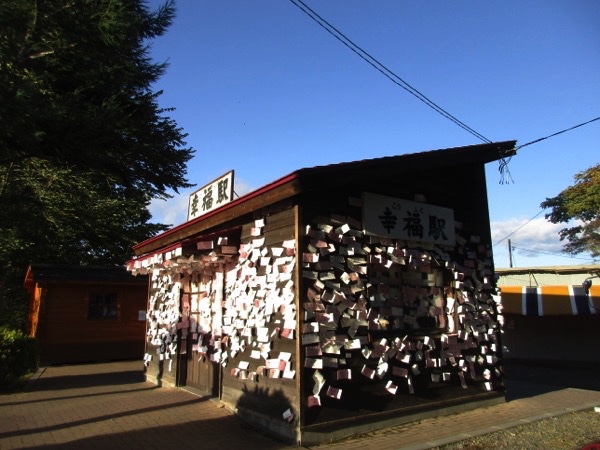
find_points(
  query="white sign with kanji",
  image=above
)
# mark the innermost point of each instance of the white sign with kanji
(212, 196)
(404, 219)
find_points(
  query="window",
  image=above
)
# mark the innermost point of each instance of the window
(103, 305)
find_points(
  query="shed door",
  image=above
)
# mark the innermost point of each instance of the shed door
(203, 372)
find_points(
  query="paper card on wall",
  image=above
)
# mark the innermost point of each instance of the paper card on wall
(330, 362)
(255, 354)
(415, 369)
(310, 258)
(289, 374)
(382, 369)
(391, 388)
(285, 356)
(344, 374)
(353, 344)
(243, 365)
(334, 392)
(334, 349)
(311, 275)
(263, 338)
(400, 371)
(319, 382)
(313, 350)
(463, 383)
(308, 339)
(313, 363)
(277, 252)
(404, 357)
(491, 359)
(310, 327)
(287, 333)
(345, 278)
(265, 261)
(314, 400)
(368, 372)
(259, 223)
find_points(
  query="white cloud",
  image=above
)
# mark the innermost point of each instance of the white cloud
(172, 211)
(538, 234)
(534, 243)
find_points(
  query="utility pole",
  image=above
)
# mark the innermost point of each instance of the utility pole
(510, 260)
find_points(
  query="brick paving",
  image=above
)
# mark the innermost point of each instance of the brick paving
(109, 405)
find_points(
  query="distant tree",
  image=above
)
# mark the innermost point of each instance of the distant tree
(581, 203)
(84, 145)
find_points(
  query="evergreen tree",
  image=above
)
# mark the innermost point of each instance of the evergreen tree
(84, 145)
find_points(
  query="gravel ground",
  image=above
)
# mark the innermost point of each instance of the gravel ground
(569, 431)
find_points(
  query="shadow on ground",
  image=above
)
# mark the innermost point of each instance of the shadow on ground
(531, 378)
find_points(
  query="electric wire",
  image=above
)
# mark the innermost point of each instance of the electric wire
(510, 234)
(396, 79)
(557, 133)
(517, 246)
(505, 175)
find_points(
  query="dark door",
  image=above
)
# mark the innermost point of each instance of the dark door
(203, 373)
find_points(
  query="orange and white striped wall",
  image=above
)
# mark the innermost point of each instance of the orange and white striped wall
(550, 300)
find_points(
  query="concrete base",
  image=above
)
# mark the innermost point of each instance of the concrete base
(333, 431)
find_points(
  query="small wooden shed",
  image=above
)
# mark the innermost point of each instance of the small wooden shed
(82, 314)
(337, 299)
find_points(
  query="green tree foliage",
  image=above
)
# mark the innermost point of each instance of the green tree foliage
(84, 145)
(579, 203)
(19, 355)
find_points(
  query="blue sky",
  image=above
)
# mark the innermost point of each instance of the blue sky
(260, 88)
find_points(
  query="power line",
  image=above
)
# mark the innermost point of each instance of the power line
(557, 133)
(533, 250)
(509, 235)
(505, 176)
(396, 79)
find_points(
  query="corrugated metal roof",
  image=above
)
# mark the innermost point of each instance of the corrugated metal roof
(546, 276)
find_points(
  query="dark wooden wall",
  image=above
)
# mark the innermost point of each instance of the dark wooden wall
(67, 335)
(461, 188)
(270, 397)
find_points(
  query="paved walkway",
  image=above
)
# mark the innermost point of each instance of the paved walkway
(109, 405)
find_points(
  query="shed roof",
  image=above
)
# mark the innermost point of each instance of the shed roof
(319, 177)
(79, 274)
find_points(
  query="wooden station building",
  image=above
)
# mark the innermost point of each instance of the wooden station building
(336, 299)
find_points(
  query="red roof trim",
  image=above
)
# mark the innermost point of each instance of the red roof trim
(231, 204)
